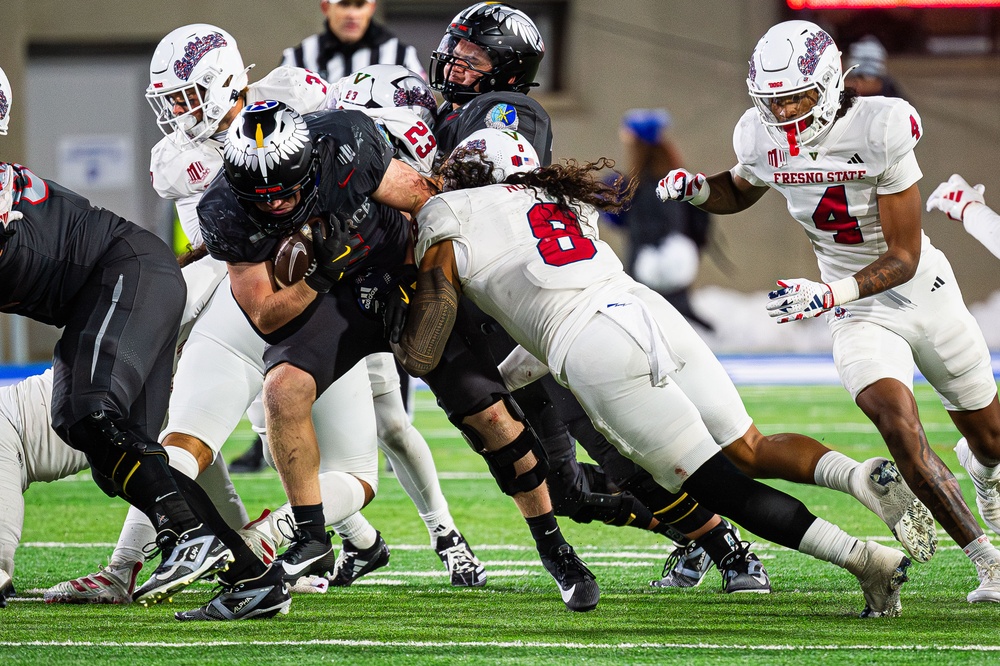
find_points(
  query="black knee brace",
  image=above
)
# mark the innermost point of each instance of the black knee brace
(501, 464)
(115, 455)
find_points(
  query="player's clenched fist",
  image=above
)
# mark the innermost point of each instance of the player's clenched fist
(682, 185)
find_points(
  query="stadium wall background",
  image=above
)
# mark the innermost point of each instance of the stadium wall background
(686, 55)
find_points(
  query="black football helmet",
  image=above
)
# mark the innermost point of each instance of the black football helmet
(269, 155)
(508, 36)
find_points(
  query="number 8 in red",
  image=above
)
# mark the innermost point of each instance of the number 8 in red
(561, 241)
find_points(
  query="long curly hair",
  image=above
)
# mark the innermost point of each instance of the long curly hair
(570, 184)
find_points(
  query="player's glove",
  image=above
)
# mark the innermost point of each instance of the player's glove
(682, 185)
(7, 202)
(952, 197)
(397, 304)
(335, 247)
(801, 299)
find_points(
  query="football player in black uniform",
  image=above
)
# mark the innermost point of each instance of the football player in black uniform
(334, 171)
(118, 292)
(484, 67)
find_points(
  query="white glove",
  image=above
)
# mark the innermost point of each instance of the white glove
(682, 185)
(7, 197)
(952, 197)
(801, 299)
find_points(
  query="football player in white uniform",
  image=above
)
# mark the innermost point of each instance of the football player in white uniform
(848, 172)
(526, 252)
(30, 451)
(964, 203)
(198, 84)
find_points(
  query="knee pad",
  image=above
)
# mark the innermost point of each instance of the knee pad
(501, 464)
(115, 455)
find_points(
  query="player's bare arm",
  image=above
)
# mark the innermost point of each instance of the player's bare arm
(433, 311)
(267, 306)
(722, 194)
(900, 216)
(404, 189)
(730, 194)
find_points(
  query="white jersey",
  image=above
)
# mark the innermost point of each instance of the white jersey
(181, 173)
(831, 187)
(524, 261)
(26, 406)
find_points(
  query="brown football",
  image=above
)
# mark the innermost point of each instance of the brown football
(293, 257)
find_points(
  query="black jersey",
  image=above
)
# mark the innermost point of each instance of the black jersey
(353, 158)
(50, 252)
(503, 110)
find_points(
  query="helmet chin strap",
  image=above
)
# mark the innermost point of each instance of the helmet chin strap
(793, 144)
(792, 133)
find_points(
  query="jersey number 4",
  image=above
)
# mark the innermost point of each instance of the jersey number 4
(561, 241)
(831, 215)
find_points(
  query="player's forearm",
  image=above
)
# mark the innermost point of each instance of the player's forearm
(984, 225)
(429, 323)
(726, 197)
(270, 313)
(890, 270)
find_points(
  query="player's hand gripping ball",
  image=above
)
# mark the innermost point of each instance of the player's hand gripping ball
(294, 258)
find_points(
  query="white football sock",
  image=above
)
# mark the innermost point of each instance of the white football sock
(356, 529)
(825, 541)
(834, 471)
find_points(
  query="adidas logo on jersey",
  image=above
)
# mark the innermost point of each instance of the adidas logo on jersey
(856, 159)
(938, 283)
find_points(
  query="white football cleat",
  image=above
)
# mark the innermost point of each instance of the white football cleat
(987, 493)
(988, 569)
(110, 585)
(881, 571)
(878, 485)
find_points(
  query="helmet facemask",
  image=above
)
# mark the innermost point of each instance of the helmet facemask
(796, 59)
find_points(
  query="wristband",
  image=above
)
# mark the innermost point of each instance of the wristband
(844, 290)
(702, 195)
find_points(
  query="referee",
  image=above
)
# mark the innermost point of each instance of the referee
(350, 40)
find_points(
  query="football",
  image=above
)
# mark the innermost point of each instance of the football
(293, 257)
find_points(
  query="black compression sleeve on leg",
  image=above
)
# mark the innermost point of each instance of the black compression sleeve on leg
(246, 565)
(765, 511)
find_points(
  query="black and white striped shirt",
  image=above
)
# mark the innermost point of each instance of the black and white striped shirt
(332, 59)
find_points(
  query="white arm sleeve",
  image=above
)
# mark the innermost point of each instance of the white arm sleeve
(984, 225)
(520, 368)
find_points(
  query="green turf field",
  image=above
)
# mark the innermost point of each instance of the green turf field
(407, 612)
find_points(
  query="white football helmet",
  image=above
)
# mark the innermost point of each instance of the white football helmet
(385, 87)
(6, 97)
(795, 57)
(201, 66)
(507, 151)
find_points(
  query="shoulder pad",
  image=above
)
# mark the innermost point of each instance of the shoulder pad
(903, 129)
(299, 88)
(178, 172)
(744, 136)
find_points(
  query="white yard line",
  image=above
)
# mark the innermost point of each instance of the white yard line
(507, 644)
